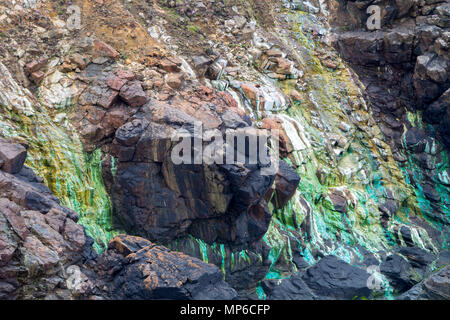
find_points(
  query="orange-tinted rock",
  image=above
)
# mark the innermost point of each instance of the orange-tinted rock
(174, 80)
(133, 94)
(104, 49)
(168, 65)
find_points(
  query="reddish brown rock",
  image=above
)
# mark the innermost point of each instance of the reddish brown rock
(13, 156)
(37, 76)
(108, 98)
(145, 271)
(35, 65)
(286, 183)
(125, 74)
(168, 65)
(133, 94)
(103, 49)
(78, 60)
(116, 83)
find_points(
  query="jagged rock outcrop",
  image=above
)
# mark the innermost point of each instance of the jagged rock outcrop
(363, 177)
(39, 238)
(434, 287)
(45, 254)
(160, 200)
(134, 268)
(405, 67)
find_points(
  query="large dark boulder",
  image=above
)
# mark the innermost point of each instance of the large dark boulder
(286, 183)
(291, 289)
(334, 278)
(161, 200)
(134, 268)
(399, 272)
(330, 278)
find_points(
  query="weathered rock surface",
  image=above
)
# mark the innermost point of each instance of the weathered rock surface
(12, 157)
(162, 201)
(45, 254)
(39, 238)
(134, 268)
(133, 75)
(434, 287)
(405, 68)
(330, 278)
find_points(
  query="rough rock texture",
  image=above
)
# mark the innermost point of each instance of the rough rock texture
(364, 139)
(434, 287)
(134, 268)
(12, 157)
(39, 239)
(160, 200)
(405, 67)
(331, 278)
(41, 243)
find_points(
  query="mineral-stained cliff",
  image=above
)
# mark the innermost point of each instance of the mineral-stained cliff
(95, 92)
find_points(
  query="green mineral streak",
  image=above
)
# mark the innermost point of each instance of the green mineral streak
(113, 166)
(442, 186)
(364, 171)
(56, 155)
(260, 293)
(223, 253)
(203, 249)
(97, 212)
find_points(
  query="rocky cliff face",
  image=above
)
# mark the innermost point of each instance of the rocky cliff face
(98, 93)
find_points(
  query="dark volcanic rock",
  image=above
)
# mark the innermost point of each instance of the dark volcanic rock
(45, 254)
(417, 257)
(434, 287)
(286, 183)
(399, 273)
(334, 278)
(134, 268)
(161, 200)
(330, 278)
(292, 289)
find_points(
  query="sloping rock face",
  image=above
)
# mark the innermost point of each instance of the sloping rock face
(39, 238)
(434, 287)
(405, 67)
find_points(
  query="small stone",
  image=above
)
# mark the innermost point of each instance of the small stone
(168, 65)
(104, 49)
(125, 74)
(174, 80)
(13, 156)
(37, 76)
(133, 94)
(35, 65)
(78, 60)
(330, 64)
(116, 83)
(107, 100)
